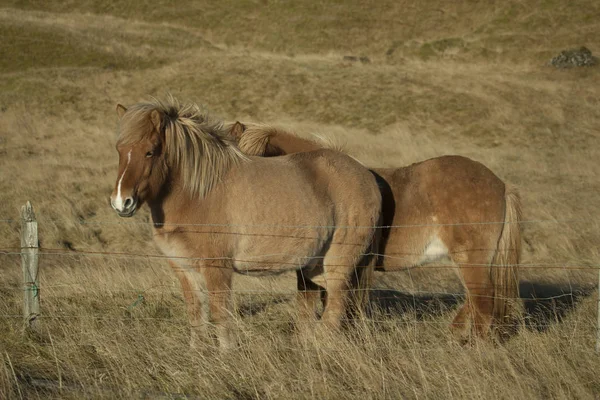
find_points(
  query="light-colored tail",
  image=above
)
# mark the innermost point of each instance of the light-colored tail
(505, 267)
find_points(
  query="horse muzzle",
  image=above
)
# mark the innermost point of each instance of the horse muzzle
(125, 207)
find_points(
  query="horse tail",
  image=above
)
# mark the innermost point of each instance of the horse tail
(505, 266)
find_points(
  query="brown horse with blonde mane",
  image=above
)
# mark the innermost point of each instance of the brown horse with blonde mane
(216, 211)
(449, 207)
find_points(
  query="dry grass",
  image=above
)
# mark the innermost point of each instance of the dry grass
(462, 78)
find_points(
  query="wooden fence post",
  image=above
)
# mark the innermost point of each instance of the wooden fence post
(29, 262)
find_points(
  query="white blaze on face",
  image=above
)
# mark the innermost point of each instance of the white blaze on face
(119, 201)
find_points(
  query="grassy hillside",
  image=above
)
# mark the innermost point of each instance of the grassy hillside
(467, 78)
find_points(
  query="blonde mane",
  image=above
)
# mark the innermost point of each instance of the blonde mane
(256, 139)
(200, 148)
(330, 143)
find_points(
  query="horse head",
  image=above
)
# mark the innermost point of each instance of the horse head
(142, 167)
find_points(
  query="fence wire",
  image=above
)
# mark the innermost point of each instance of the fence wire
(393, 262)
(44, 251)
(152, 224)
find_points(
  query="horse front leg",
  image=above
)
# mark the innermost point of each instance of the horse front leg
(218, 280)
(191, 296)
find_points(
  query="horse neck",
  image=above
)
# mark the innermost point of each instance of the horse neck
(174, 204)
(289, 144)
(171, 197)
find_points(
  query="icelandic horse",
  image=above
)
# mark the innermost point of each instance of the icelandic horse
(449, 207)
(216, 211)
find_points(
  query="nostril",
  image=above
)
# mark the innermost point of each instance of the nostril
(128, 203)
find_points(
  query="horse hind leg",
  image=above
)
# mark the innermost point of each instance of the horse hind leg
(337, 276)
(339, 264)
(476, 315)
(436, 251)
(362, 278)
(309, 297)
(491, 275)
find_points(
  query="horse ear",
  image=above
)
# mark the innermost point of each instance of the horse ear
(120, 110)
(156, 119)
(237, 130)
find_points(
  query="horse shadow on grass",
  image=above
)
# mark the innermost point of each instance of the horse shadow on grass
(544, 303)
(250, 309)
(394, 303)
(549, 303)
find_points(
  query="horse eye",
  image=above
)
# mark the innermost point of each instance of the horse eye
(149, 154)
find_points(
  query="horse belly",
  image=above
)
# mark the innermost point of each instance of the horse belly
(271, 264)
(282, 253)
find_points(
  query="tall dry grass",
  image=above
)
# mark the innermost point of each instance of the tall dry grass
(443, 78)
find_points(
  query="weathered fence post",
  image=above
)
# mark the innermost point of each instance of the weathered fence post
(29, 262)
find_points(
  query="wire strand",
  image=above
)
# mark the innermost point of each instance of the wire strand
(106, 222)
